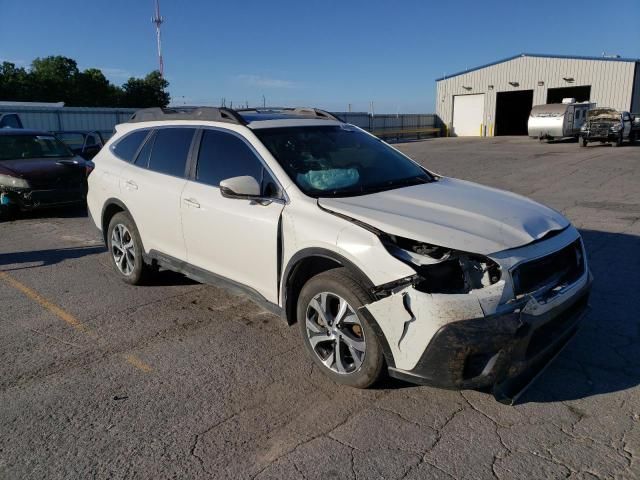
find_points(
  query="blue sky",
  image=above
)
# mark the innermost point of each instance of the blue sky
(321, 53)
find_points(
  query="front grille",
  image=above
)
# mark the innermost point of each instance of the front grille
(600, 129)
(559, 268)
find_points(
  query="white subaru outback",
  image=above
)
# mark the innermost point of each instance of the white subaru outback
(382, 263)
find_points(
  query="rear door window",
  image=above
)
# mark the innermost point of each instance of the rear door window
(170, 150)
(126, 148)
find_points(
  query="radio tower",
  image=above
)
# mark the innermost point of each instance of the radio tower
(158, 21)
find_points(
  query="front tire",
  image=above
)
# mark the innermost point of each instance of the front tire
(583, 142)
(336, 335)
(125, 249)
(619, 140)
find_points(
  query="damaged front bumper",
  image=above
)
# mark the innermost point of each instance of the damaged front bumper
(26, 199)
(504, 351)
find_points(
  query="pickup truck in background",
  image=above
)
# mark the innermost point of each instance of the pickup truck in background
(609, 125)
(85, 144)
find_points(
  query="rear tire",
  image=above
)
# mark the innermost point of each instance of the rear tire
(336, 335)
(125, 249)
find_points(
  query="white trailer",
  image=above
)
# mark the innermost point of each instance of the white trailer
(558, 120)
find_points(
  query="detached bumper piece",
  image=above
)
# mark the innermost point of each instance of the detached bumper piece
(503, 352)
(32, 199)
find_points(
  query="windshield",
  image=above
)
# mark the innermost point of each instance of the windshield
(340, 160)
(15, 147)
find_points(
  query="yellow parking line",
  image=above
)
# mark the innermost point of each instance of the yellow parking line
(53, 308)
(65, 316)
(136, 362)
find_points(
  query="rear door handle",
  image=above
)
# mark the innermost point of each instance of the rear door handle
(192, 202)
(131, 185)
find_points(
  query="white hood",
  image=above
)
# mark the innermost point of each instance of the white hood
(453, 213)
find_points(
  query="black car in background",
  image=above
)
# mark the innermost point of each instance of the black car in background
(37, 170)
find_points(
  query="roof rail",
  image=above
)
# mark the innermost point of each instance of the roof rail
(212, 114)
(301, 111)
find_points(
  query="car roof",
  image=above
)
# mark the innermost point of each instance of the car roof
(246, 116)
(23, 131)
(284, 122)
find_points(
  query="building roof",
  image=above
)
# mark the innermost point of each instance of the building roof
(540, 55)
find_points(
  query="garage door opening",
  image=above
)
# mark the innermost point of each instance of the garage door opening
(581, 94)
(512, 112)
(468, 115)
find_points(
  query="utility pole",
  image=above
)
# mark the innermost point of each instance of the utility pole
(264, 102)
(157, 20)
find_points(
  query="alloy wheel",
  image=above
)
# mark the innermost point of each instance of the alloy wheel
(335, 333)
(123, 249)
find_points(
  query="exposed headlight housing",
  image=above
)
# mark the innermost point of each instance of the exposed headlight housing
(616, 127)
(584, 127)
(443, 270)
(13, 182)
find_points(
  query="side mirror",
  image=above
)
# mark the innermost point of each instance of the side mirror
(240, 187)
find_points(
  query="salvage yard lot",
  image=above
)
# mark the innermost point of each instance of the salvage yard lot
(100, 379)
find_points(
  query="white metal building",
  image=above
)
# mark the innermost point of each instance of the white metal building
(496, 99)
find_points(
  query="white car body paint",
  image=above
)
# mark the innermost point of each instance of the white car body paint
(305, 226)
(408, 335)
(453, 213)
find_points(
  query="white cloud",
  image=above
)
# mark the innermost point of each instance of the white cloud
(265, 82)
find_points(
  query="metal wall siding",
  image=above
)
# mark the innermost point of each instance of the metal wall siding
(389, 121)
(71, 118)
(612, 83)
(105, 119)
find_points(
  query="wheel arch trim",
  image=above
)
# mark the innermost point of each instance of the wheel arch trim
(108, 203)
(317, 252)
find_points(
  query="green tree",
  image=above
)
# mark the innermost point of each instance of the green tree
(94, 90)
(15, 83)
(58, 79)
(149, 91)
(54, 79)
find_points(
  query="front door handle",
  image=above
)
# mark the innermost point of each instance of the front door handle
(130, 184)
(191, 202)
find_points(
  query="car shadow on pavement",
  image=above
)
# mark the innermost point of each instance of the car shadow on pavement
(74, 211)
(168, 278)
(44, 258)
(604, 357)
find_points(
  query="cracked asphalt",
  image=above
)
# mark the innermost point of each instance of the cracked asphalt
(100, 379)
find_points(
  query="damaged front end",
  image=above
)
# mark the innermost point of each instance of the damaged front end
(442, 270)
(465, 320)
(16, 198)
